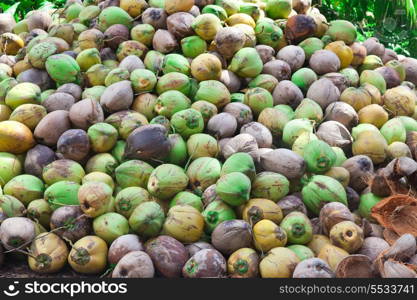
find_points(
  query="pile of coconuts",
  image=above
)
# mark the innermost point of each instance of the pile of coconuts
(205, 138)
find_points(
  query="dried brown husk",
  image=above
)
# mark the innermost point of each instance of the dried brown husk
(398, 213)
(355, 266)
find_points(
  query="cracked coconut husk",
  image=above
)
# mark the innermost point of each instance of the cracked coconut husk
(397, 213)
(355, 266)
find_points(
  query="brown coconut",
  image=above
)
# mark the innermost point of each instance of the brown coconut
(342, 113)
(293, 55)
(261, 133)
(58, 101)
(278, 68)
(179, 24)
(37, 158)
(391, 76)
(115, 35)
(324, 92)
(50, 128)
(324, 61)
(374, 47)
(117, 97)
(122, 246)
(267, 53)
(361, 169)
(286, 92)
(85, 113)
(300, 27)
(71, 88)
(157, 17)
(164, 41)
(241, 143)
(74, 144)
(285, 162)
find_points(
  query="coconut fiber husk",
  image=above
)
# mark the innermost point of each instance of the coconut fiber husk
(397, 213)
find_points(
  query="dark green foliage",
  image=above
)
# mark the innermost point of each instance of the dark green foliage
(393, 22)
(21, 8)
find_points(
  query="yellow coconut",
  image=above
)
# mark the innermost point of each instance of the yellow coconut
(5, 112)
(135, 8)
(184, 223)
(280, 262)
(29, 114)
(15, 137)
(11, 43)
(318, 242)
(371, 144)
(173, 6)
(88, 255)
(373, 114)
(206, 67)
(358, 98)
(344, 52)
(268, 235)
(340, 174)
(48, 253)
(332, 255)
(259, 209)
(376, 97)
(400, 101)
(241, 18)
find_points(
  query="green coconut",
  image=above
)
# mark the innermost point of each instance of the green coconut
(234, 188)
(237, 97)
(215, 213)
(110, 226)
(178, 153)
(298, 228)
(309, 109)
(5, 86)
(398, 67)
(40, 211)
(351, 75)
(88, 13)
(88, 58)
(133, 173)
(163, 121)
(63, 69)
(340, 156)
(294, 128)
(341, 30)
(118, 151)
(100, 177)
(302, 141)
(206, 26)
(202, 145)
(176, 63)
(23, 93)
(321, 189)
(143, 80)
(174, 81)
(230, 6)
(303, 252)
(303, 78)
(265, 81)
(216, 10)
(10, 167)
(319, 156)
(371, 62)
(268, 32)
(114, 15)
(367, 201)
(363, 127)
(93, 93)
(153, 61)
(246, 63)
(193, 46)
(97, 74)
(273, 119)
(130, 123)
(394, 131)
(213, 91)
(409, 123)
(102, 137)
(166, 181)
(270, 185)
(203, 172)
(187, 198)
(374, 78)
(207, 109)
(39, 53)
(11, 207)
(278, 9)
(239, 162)
(258, 99)
(371, 144)
(25, 187)
(143, 33)
(311, 45)
(129, 198)
(62, 193)
(187, 122)
(116, 75)
(147, 219)
(101, 162)
(286, 109)
(171, 102)
(72, 12)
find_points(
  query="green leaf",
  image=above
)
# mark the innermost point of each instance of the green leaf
(12, 9)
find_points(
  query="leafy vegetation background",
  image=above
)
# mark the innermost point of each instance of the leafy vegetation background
(394, 22)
